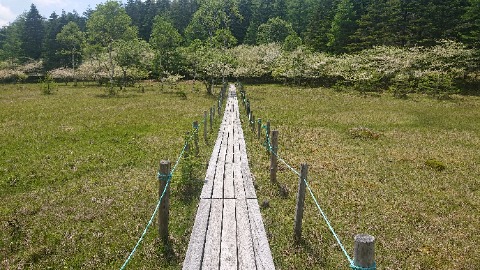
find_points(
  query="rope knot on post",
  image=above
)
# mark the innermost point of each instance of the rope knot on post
(164, 177)
(373, 267)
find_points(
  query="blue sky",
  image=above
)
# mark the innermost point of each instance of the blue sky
(10, 9)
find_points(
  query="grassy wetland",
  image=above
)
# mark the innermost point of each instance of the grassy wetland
(404, 171)
(78, 176)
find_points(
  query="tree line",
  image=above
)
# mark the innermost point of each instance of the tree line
(159, 38)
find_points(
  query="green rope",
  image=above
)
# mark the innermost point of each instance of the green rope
(161, 177)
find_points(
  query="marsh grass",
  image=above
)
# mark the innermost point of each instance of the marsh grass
(78, 175)
(422, 217)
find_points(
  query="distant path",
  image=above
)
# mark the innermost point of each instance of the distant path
(228, 232)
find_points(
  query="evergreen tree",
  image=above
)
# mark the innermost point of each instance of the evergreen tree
(261, 12)
(181, 13)
(379, 25)
(446, 16)
(51, 58)
(12, 44)
(297, 10)
(320, 22)
(280, 10)
(343, 27)
(33, 34)
(471, 25)
(240, 24)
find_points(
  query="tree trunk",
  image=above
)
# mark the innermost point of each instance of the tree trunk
(73, 66)
(112, 68)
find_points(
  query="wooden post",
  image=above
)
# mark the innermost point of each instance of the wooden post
(163, 211)
(219, 106)
(213, 111)
(364, 251)
(273, 157)
(211, 120)
(259, 128)
(252, 123)
(300, 203)
(268, 137)
(205, 126)
(195, 137)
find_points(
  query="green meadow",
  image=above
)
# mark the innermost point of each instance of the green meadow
(78, 175)
(404, 171)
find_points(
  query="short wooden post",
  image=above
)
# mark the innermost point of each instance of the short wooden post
(364, 251)
(213, 111)
(211, 120)
(259, 123)
(300, 202)
(163, 211)
(205, 125)
(219, 106)
(267, 139)
(273, 158)
(252, 123)
(195, 137)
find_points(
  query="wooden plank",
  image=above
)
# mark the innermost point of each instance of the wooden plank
(212, 165)
(211, 257)
(229, 189)
(193, 258)
(237, 169)
(228, 251)
(219, 174)
(263, 255)
(246, 254)
(247, 178)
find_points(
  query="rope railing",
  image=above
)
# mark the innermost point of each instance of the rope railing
(270, 148)
(168, 178)
(160, 177)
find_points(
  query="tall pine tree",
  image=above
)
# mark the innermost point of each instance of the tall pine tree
(343, 27)
(33, 34)
(320, 22)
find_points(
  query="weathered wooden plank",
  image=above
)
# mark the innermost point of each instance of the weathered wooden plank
(247, 175)
(237, 168)
(263, 255)
(246, 254)
(207, 188)
(193, 258)
(228, 251)
(229, 188)
(209, 176)
(211, 257)
(220, 171)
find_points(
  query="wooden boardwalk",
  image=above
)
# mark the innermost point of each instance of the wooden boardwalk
(228, 232)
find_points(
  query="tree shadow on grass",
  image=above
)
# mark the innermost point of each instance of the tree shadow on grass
(305, 246)
(188, 192)
(166, 251)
